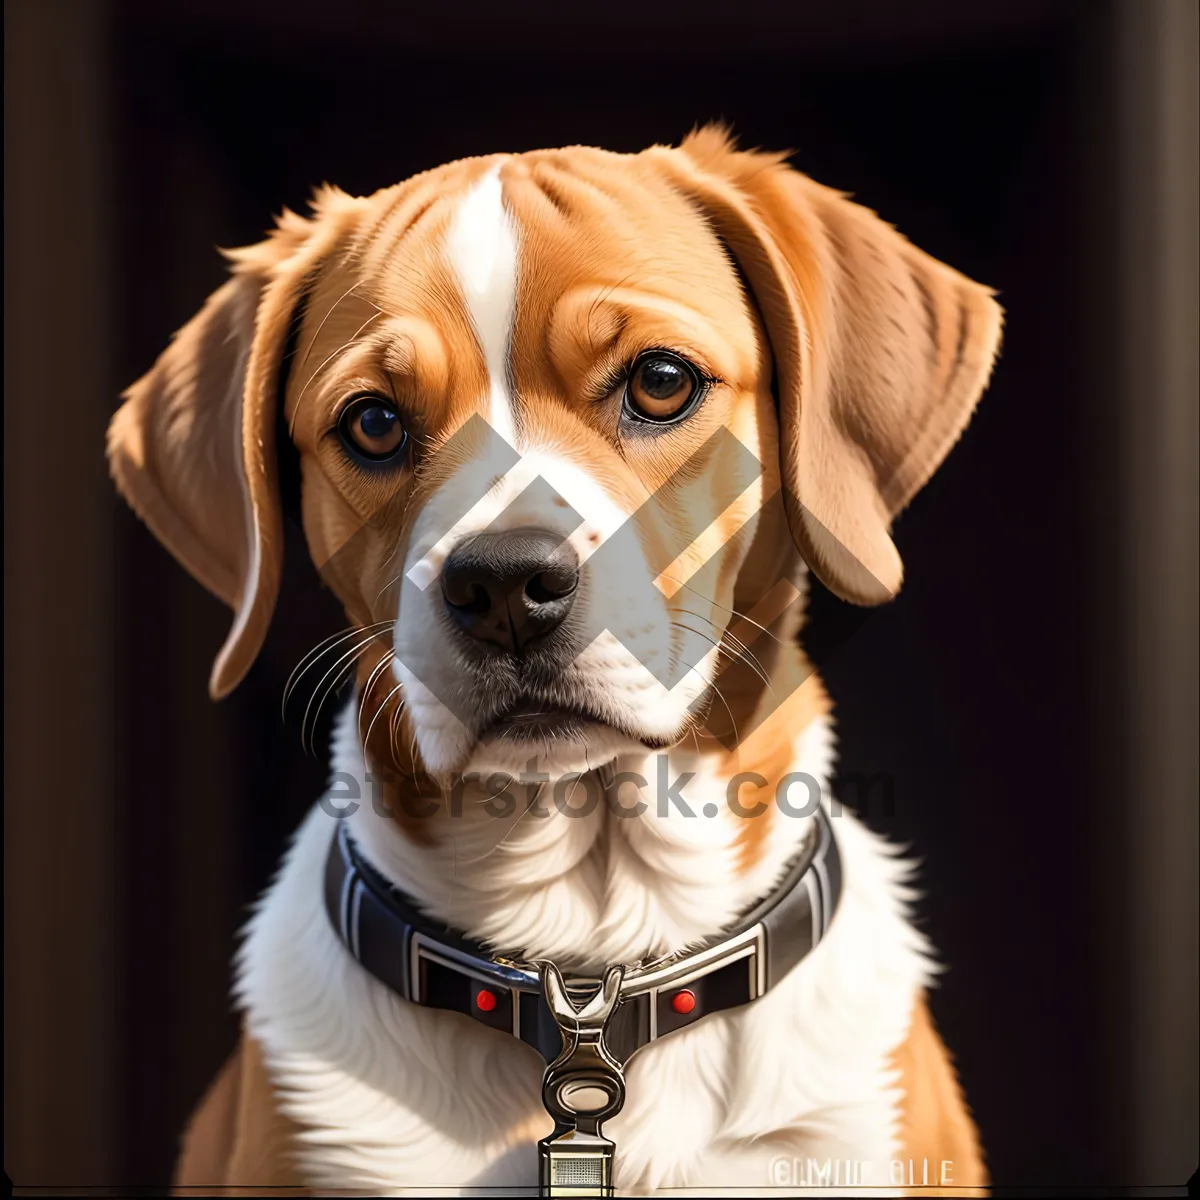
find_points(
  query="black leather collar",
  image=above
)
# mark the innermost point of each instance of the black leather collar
(430, 964)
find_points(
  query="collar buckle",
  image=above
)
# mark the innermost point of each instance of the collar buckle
(581, 1088)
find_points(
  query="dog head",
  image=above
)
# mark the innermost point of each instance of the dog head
(558, 416)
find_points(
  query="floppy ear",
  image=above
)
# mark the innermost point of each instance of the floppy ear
(881, 352)
(193, 451)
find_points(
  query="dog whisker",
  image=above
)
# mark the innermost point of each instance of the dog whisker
(737, 738)
(408, 499)
(332, 690)
(351, 656)
(383, 704)
(733, 612)
(332, 309)
(489, 799)
(722, 649)
(750, 657)
(340, 675)
(321, 648)
(740, 649)
(328, 360)
(394, 727)
(599, 299)
(717, 690)
(512, 828)
(375, 673)
(394, 579)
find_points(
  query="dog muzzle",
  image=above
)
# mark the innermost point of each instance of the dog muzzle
(585, 1028)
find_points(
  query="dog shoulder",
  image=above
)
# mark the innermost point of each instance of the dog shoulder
(238, 1138)
(936, 1128)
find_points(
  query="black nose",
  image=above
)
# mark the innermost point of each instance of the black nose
(509, 588)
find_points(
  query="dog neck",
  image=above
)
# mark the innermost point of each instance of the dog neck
(564, 868)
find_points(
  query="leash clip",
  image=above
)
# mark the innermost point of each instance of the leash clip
(582, 1087)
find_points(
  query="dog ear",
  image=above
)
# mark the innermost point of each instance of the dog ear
(881, 352)
(192, 449)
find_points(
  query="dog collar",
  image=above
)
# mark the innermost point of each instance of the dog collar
(585, 1028)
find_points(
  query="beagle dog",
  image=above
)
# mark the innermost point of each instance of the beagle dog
(565, 432)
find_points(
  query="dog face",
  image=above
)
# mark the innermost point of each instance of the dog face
(562, 400)
(558, 415)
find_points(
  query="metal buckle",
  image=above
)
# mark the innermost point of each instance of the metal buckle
(581, 1088)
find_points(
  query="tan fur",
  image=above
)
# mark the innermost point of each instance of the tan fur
(238, 1141)
(193, 447)
(936, 1124)
(882, 352)
(769, 751)
(401, 786)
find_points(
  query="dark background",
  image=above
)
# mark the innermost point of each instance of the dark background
(1032, 692)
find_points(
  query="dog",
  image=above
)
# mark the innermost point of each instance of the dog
(566, 431)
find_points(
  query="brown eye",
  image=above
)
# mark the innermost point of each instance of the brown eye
(371, 428)
(661, 387)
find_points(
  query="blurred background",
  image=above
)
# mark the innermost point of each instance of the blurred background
(1032, 692)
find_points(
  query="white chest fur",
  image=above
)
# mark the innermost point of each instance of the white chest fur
(394, 1097)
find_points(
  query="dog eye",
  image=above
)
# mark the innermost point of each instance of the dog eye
(660, 387)
(371, 427)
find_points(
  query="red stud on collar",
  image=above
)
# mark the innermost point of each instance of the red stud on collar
(683, 1002)
(485, 1001)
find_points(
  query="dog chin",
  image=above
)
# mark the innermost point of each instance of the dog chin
(578, 746)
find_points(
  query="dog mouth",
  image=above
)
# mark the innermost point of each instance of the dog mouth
(533, 719)
(530, 718)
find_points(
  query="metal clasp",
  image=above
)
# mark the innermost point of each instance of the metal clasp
(581, 1088)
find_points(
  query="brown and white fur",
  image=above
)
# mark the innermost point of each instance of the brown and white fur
(516, 287)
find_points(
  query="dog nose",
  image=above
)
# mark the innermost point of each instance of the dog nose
(509, 588)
